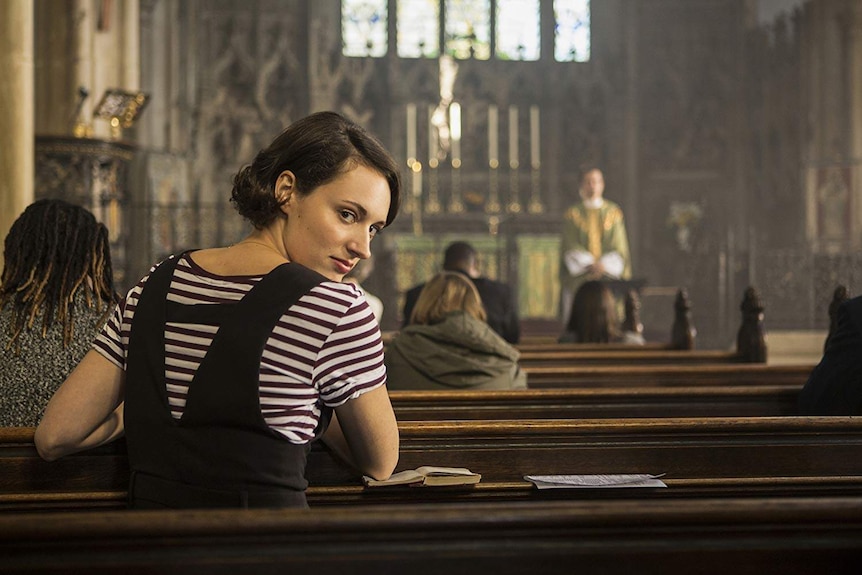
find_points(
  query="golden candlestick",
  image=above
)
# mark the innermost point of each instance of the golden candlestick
(514, 206)
(456, 206)
(535, 206)
(432, 206)
(493, 205)
(417, 197)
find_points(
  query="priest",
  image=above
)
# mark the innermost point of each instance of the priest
(594, 244)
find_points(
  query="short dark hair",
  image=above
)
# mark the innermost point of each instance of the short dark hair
(587, 168)
(317, 149)
(458, 257)
(53, 251)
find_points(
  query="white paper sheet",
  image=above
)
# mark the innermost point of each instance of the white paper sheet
(595, 481)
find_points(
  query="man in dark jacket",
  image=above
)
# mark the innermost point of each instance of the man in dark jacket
(835, 385)
(496, 296)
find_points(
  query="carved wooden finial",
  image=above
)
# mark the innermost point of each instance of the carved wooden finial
(751, 339)
(683, 332)
(632, 321)
(839, 296)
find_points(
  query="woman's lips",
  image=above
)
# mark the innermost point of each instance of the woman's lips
(342, 266)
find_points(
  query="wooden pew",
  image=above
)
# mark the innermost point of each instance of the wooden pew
(571, 376)
(750, 340)
(682, 331)
(700, 456)
(750, 343)
(541, 345)
(97, 478)
(557, 355)
(706, 536)
(507, 450)
(750, 348)
(594, 403)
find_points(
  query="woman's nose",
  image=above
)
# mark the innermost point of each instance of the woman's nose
(361, 246)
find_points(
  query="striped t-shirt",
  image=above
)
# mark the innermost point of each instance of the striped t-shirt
(325, 350)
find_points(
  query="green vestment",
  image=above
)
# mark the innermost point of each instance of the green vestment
(598, 231)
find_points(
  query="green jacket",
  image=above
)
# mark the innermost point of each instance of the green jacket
(460, 352)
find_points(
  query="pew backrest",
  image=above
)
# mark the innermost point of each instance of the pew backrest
(740, 536)
(666, 375)
(593, 403)
(636, 356)
(821, 450)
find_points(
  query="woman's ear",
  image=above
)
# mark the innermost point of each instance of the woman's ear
(284, 187)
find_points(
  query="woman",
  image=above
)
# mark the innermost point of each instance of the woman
(231, 360)
(448, 344)
(56, 292)
(593, 318)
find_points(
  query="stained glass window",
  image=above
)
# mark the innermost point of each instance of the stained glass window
(363, 27)
(572, 30)
(468, 29)
(518, 30)
(418, 28)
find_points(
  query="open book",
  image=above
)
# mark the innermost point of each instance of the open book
(428, 475)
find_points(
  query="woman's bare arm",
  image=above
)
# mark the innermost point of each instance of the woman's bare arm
(365, 433)
(86, 411)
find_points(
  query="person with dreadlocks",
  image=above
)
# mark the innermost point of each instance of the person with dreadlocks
(223, 365)
(56, 292)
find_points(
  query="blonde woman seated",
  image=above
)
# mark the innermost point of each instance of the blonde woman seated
(448, 344)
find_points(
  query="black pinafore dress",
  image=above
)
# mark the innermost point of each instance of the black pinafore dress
(221, 452)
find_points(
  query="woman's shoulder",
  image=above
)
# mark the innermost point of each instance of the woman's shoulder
(335, 303)
(342, 292)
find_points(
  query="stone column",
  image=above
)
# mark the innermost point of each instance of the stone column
(131, 45)
(855, 112)
(56, 89)
(16, 110)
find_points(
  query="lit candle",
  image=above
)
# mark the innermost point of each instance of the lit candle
(493, 138)
(455, 129)
(417, 179)
(411, 133)
(534, 136)
(432, 139)
(513, 136)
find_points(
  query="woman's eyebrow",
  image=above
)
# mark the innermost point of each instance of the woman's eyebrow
(361, 209)
(358, 207)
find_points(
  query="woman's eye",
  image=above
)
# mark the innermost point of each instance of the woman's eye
(374, 230)
(348, 216)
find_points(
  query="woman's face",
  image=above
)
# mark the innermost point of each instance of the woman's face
(330, 229)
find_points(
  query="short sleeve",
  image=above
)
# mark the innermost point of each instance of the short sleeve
(350, 362)
(112, 342)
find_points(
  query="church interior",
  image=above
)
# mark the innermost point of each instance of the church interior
(729, 132)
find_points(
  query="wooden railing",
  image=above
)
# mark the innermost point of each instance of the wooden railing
(577, 376)
(593, 403)
(786, 455)
(744, 536)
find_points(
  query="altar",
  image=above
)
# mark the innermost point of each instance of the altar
(529, 263)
